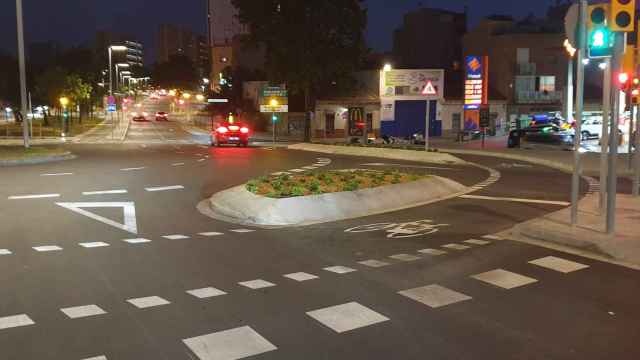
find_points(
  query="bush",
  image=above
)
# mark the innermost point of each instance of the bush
(252, 186)
(297, 191)
(314, 186)
(352, 186)
(277, 185)
(285, 177)
(263, 179)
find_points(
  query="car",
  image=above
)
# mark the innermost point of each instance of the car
(548, 134)
(230, 133)
(162, 116)
(142, 116)
(591, 128)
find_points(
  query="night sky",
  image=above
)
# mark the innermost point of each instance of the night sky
(75, 21)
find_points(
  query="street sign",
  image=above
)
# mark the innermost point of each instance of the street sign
(571, 24)
(274, 99)
(429, 89)
(111, 108)
(274, 91)
(274, 109)
(485, 117)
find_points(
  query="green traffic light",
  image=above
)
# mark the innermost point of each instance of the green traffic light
(598, 38)
(601, 41)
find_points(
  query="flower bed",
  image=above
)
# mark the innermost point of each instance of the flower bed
(324, 182)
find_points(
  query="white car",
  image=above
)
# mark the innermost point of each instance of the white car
(591, 128)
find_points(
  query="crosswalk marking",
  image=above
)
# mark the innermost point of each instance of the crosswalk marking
(47, 248)
(257, 284)
(339, 269)
(175, 237)
(137, 241)
(206, 293)
(212, 233)
(8, 322)
(5, 252)
(147, 302)
(558, 264)
(456, 247)
(347, 317)
(477, 242)
(300, 276)
(233, 344)
(435, 296)
(504, 279)
(405, 257)
(94, 244)
(374, 263)
(433, 252)
(83, 311)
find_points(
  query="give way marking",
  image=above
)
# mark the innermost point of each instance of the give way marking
(128, 208)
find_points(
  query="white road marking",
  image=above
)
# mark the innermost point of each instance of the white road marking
(558, 264)
(8, 322)
(57, 174)
(201, 160)
(242, 231)
(339, 269)
(105, 192)
(41, 196)
(5, 252)
(101, 357)
(374, 263)
(164, 188)
(347, 317)
(435, 296)
(137, 241)
(408, 166)
(492, 237)
(456, 247)
(83, 311)
(90, 245)
(47, 248)
(301, 276)
(297, 170)
(504, 279)
(212, 233)
(405, 257)
(280, 173)
(234, 344)
(257, 284)
(178, 164)
(432, 252)
(134, 169)
(530, 201)
(206, 293)
(147, 302)
(128, 208)
(477, 242)
(175, 237)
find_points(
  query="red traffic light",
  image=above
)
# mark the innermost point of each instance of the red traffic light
(623, 78)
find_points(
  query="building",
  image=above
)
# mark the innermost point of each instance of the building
(173, 40)
(527, 64)
(134, 56)
(430, 39)
(224, 24)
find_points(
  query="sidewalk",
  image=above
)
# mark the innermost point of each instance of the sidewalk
(589, 235)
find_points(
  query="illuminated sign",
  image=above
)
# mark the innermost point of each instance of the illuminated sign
(475, 86)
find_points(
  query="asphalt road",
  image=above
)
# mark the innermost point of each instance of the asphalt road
(590, 313)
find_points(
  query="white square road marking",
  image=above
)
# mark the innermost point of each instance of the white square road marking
(456, 247)
(339, 269)
(175, 237)
(242, 231)
(213, 233)
(137, 241)
(234, 344)
(300, 276)
(101, 357)
(492, 237)
(8, 322)
(146, 302)
(504, 279)
(83, 311)
(257, 284)
(558, 264)
(405, 257)
(93, 244)
(5, 252)
(477, 242)
(374, 263)
(435, 296)
(347, 317)
(206, 293)
(432, 252)
(47, 248)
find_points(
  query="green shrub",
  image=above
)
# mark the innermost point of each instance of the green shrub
(285, 177)
(314, 186)
(277, 185)
(352, 186)
(297, 191)
(263, 179)
(252, 186)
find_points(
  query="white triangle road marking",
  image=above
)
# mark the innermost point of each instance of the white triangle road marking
(128, 208)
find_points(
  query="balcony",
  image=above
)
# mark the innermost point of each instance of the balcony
(538, 97)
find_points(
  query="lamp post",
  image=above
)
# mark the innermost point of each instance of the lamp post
(23, 75)
(111, 50)
(274, 104)
(118, 66)
(64, 101)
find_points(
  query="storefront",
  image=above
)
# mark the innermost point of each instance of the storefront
(346, 118)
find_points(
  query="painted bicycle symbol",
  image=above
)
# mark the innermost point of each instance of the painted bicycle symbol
(401, 230)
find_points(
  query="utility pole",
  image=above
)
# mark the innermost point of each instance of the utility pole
(604, 137)
(23, 75)
(582, 42)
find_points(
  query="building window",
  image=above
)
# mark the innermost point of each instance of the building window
(330, 123)
(547, 84)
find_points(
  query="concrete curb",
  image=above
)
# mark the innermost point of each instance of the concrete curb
(237, 205)
(396, 154)
(38, 160)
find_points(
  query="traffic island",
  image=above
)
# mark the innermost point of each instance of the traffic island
(322, 197)
(18, 155)
(588, 238)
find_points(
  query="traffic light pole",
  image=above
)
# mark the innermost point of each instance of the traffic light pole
(604, 137)
(582, 50)
(612, 179)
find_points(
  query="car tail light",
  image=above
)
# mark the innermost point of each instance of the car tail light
(144, 114)
(244, 130)
(234, 128)
(222, 130)
(134, 114)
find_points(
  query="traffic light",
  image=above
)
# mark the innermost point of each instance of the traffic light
(601, 42)
(274, 119)
(622, 15)
(598, 15)
(623, 80)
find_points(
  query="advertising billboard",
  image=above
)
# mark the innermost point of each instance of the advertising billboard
(412, 84)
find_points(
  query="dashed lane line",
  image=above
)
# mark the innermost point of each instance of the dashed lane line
(104, 192)
(164, 188)
(58, 174)
(40, 196)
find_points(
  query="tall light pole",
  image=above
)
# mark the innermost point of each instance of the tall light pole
(23, 75)
(111, 50)
(118, 66)
(274, 104)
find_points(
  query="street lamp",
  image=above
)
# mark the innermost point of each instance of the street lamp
(387, 67)
(200, 97)
(118, 66)
(64, 101)
(186, 96)
(110, 51)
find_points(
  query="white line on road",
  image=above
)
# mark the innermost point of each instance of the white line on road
(165, 188)
(58, 174)
(90, 245)
(5, 252)
(178, 164)
(104, 192)
(133, 169)
(42, 196)
(408, 166)
(15, 321)
(47, 248)
(531, 201)
(137, 241)
(128, 209)
(201, 160)
(212, 233)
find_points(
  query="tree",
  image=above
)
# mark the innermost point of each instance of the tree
(50, 86)
(309, 43)
(78, 91)
(179, 72)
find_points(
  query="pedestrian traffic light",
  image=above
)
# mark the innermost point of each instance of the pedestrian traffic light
(274, 118)
(601, 42)
(598, 15)
(622, 15)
